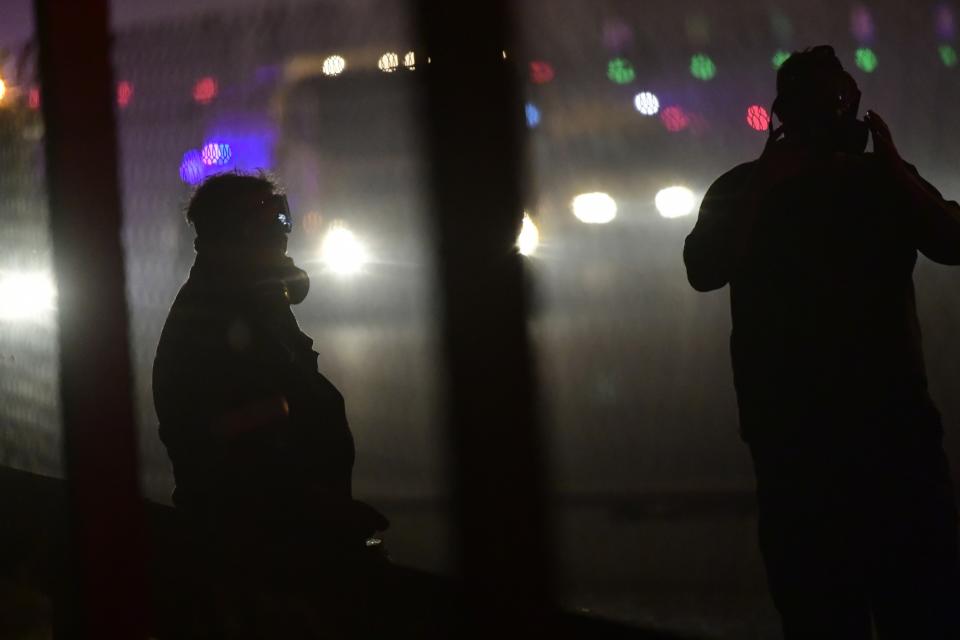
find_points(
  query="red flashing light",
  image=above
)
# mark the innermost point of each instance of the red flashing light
(758, 118)
(205, 90)
(541, 72)
(674, 119)
(124, 93)
(33, 98)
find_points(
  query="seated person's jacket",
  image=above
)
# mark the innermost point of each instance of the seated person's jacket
(253, 430)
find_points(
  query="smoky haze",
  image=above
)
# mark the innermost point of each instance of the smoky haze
(640, 417)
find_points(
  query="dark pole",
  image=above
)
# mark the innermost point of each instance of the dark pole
(104, 593)
(474, 133)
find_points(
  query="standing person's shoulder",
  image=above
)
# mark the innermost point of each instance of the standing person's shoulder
(733, 180)
(737, 176)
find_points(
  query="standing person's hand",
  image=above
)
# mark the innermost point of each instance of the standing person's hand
(883, 144)
(782, 159)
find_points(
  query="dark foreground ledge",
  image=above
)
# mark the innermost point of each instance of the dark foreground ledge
(31, 556)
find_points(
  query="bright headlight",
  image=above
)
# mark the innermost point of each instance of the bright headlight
(26, 296)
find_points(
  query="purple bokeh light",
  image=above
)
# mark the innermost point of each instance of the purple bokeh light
(945, 21)
(861, 24)
(617, 35)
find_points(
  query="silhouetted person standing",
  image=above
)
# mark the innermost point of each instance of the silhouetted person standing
(817, 240)
(259, 441)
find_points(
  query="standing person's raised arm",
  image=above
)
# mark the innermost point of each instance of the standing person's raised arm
(934, 221)
(715, 248)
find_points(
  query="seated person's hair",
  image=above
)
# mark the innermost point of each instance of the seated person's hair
(220, 204)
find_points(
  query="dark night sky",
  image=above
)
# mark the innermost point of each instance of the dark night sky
(16, 16)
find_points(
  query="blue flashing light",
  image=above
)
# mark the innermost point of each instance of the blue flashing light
(533, 115)
(250, 140)
(191, 168)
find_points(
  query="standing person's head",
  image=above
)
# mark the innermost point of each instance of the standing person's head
(817, 101)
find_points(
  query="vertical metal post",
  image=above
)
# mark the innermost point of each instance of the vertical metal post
(474, 130)
(106, 585)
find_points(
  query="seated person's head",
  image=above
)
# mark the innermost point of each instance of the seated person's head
(240, 213)
(242, 222)
(817, 100)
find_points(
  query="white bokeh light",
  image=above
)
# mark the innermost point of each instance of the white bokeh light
(410, 60)
(594, 208)
(389, 62)
(647, 103)
(675, 202)
(26, 296)
(529, 238)
(334, 65)
(341, 252)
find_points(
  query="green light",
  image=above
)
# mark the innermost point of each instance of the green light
(779, 58)
(949, 55)
(702, 67)
(620, 70)
(866, 59)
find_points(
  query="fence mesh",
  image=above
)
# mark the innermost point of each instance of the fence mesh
(624, 101)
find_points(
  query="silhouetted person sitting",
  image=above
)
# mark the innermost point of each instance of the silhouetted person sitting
(817, 240)
(259, 441)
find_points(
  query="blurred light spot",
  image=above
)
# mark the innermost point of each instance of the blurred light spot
(646, 103)
(529, 238)
(533, 115)
(866, 59)
(504, 54)
(674, 119)
(26, 296)
(861, 24)
(779, 58)
(758, 118)
(702, 67)
(267, 73)
(541, 72)
(698, 29)
(215, 154)
(617, 35)
(191, 167)
(410, 60)
(948, 54)
(252, 139)
(620, 71)
(33, 98)
(124, 93)
(594, 208)
(3, 88)
(205, 90)
(388, 62)
(675, 202)
(334, 65)
(697, 123)
(945, 22)
(341, 252)
(780, 25)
